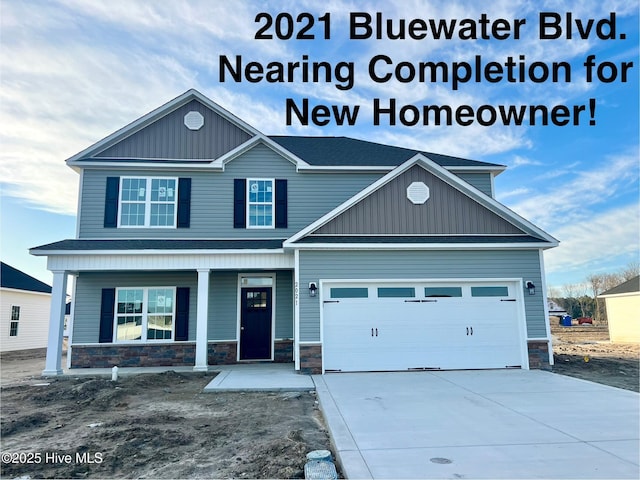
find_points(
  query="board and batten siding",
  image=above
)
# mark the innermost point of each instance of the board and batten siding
(408, 264)
(33, 325)
(86, 323)
(169, 138)
(310, 195)
(388, 211)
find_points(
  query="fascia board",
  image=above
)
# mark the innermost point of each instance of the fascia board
(45, 253)
(419, 246)
(615, 295)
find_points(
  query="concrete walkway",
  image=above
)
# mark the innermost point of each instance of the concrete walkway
(480, 424)
(259, 377)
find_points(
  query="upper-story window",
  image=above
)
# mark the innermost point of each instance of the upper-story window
(260, 201)
(148, 202)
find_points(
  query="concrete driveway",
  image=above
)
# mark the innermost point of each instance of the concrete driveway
(480, 424)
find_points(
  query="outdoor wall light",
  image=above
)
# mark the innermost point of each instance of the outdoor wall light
(531, 287)
(313, 288)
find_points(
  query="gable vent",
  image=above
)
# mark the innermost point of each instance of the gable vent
(194, 120)
(418, 193)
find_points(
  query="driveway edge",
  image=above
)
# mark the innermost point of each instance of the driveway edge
(348, 455)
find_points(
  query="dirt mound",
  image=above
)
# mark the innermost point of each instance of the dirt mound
(156, 426)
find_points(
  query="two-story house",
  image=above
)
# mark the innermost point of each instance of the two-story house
(202, 241)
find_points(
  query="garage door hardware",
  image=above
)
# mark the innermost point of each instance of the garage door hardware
(420, 301)
(508, 300)
(469, 329)
(331, 301)
(376, 332)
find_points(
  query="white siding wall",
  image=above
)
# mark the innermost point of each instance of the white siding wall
(33, 327)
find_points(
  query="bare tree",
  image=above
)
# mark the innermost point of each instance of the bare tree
(630, 271)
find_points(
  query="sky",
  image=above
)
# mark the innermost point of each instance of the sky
(72, 72)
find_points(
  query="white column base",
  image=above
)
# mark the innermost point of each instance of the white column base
(202, 318)
(52, 366)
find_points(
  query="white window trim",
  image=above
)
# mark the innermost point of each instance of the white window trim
(145, 303)
(12, 321)
(273, 277)
(273, 203)
(148, 203)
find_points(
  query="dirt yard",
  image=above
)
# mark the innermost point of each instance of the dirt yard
(586, 352)
(151, 426)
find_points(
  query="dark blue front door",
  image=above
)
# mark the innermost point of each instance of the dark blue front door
(255, 323)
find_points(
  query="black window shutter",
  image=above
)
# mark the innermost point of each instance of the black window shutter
(107, 311)
(184, 202)
(239, 203)
(281, 204)
(182, 314)
(111, 202)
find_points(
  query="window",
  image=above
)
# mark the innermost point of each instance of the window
(148, 202)
(15, 319)
(489, 291)
(260, 196)
(396, 292)
(349, 293)
(144, 314)
(443, 291)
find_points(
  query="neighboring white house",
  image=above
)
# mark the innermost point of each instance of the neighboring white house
(623, 311)
(25, 303)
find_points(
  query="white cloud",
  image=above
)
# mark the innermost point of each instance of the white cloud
(552, 207)
(600, 238)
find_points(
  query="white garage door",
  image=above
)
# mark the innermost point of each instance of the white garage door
(422, 325)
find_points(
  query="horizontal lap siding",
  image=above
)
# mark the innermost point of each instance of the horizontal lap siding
(310, 195)
(317, 265)
(86, 325)
(482, 181)
(223, 306)
(284, 304)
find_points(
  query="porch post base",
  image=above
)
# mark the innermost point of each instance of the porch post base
(201, 368)
(51, 373)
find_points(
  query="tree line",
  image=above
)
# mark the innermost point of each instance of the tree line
(581, 299)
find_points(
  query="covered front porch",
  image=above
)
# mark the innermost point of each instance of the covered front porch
(216, 308)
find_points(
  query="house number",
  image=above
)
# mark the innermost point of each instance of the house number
(295, 293)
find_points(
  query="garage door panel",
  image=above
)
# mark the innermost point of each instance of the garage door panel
(477, 326)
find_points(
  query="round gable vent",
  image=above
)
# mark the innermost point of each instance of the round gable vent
(194, 120)
(418, 193)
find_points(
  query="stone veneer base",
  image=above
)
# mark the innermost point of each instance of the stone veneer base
(539, 355)
(177, 354)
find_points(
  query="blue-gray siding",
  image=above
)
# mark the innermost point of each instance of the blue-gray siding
(170, 138)
(86, 325)
(448, 211)
(482, 181)
(371, 264)
(223, 301)
(310, 195)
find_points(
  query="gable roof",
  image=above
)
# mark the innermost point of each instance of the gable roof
(307, 153)
(15, 279)
(154, 116)
(630, 286)
(543, 239)
(332, 151)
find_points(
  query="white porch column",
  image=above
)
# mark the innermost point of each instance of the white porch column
(56, 324)
(202, 320)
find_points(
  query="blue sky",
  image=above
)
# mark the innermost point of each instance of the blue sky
(72, 72)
